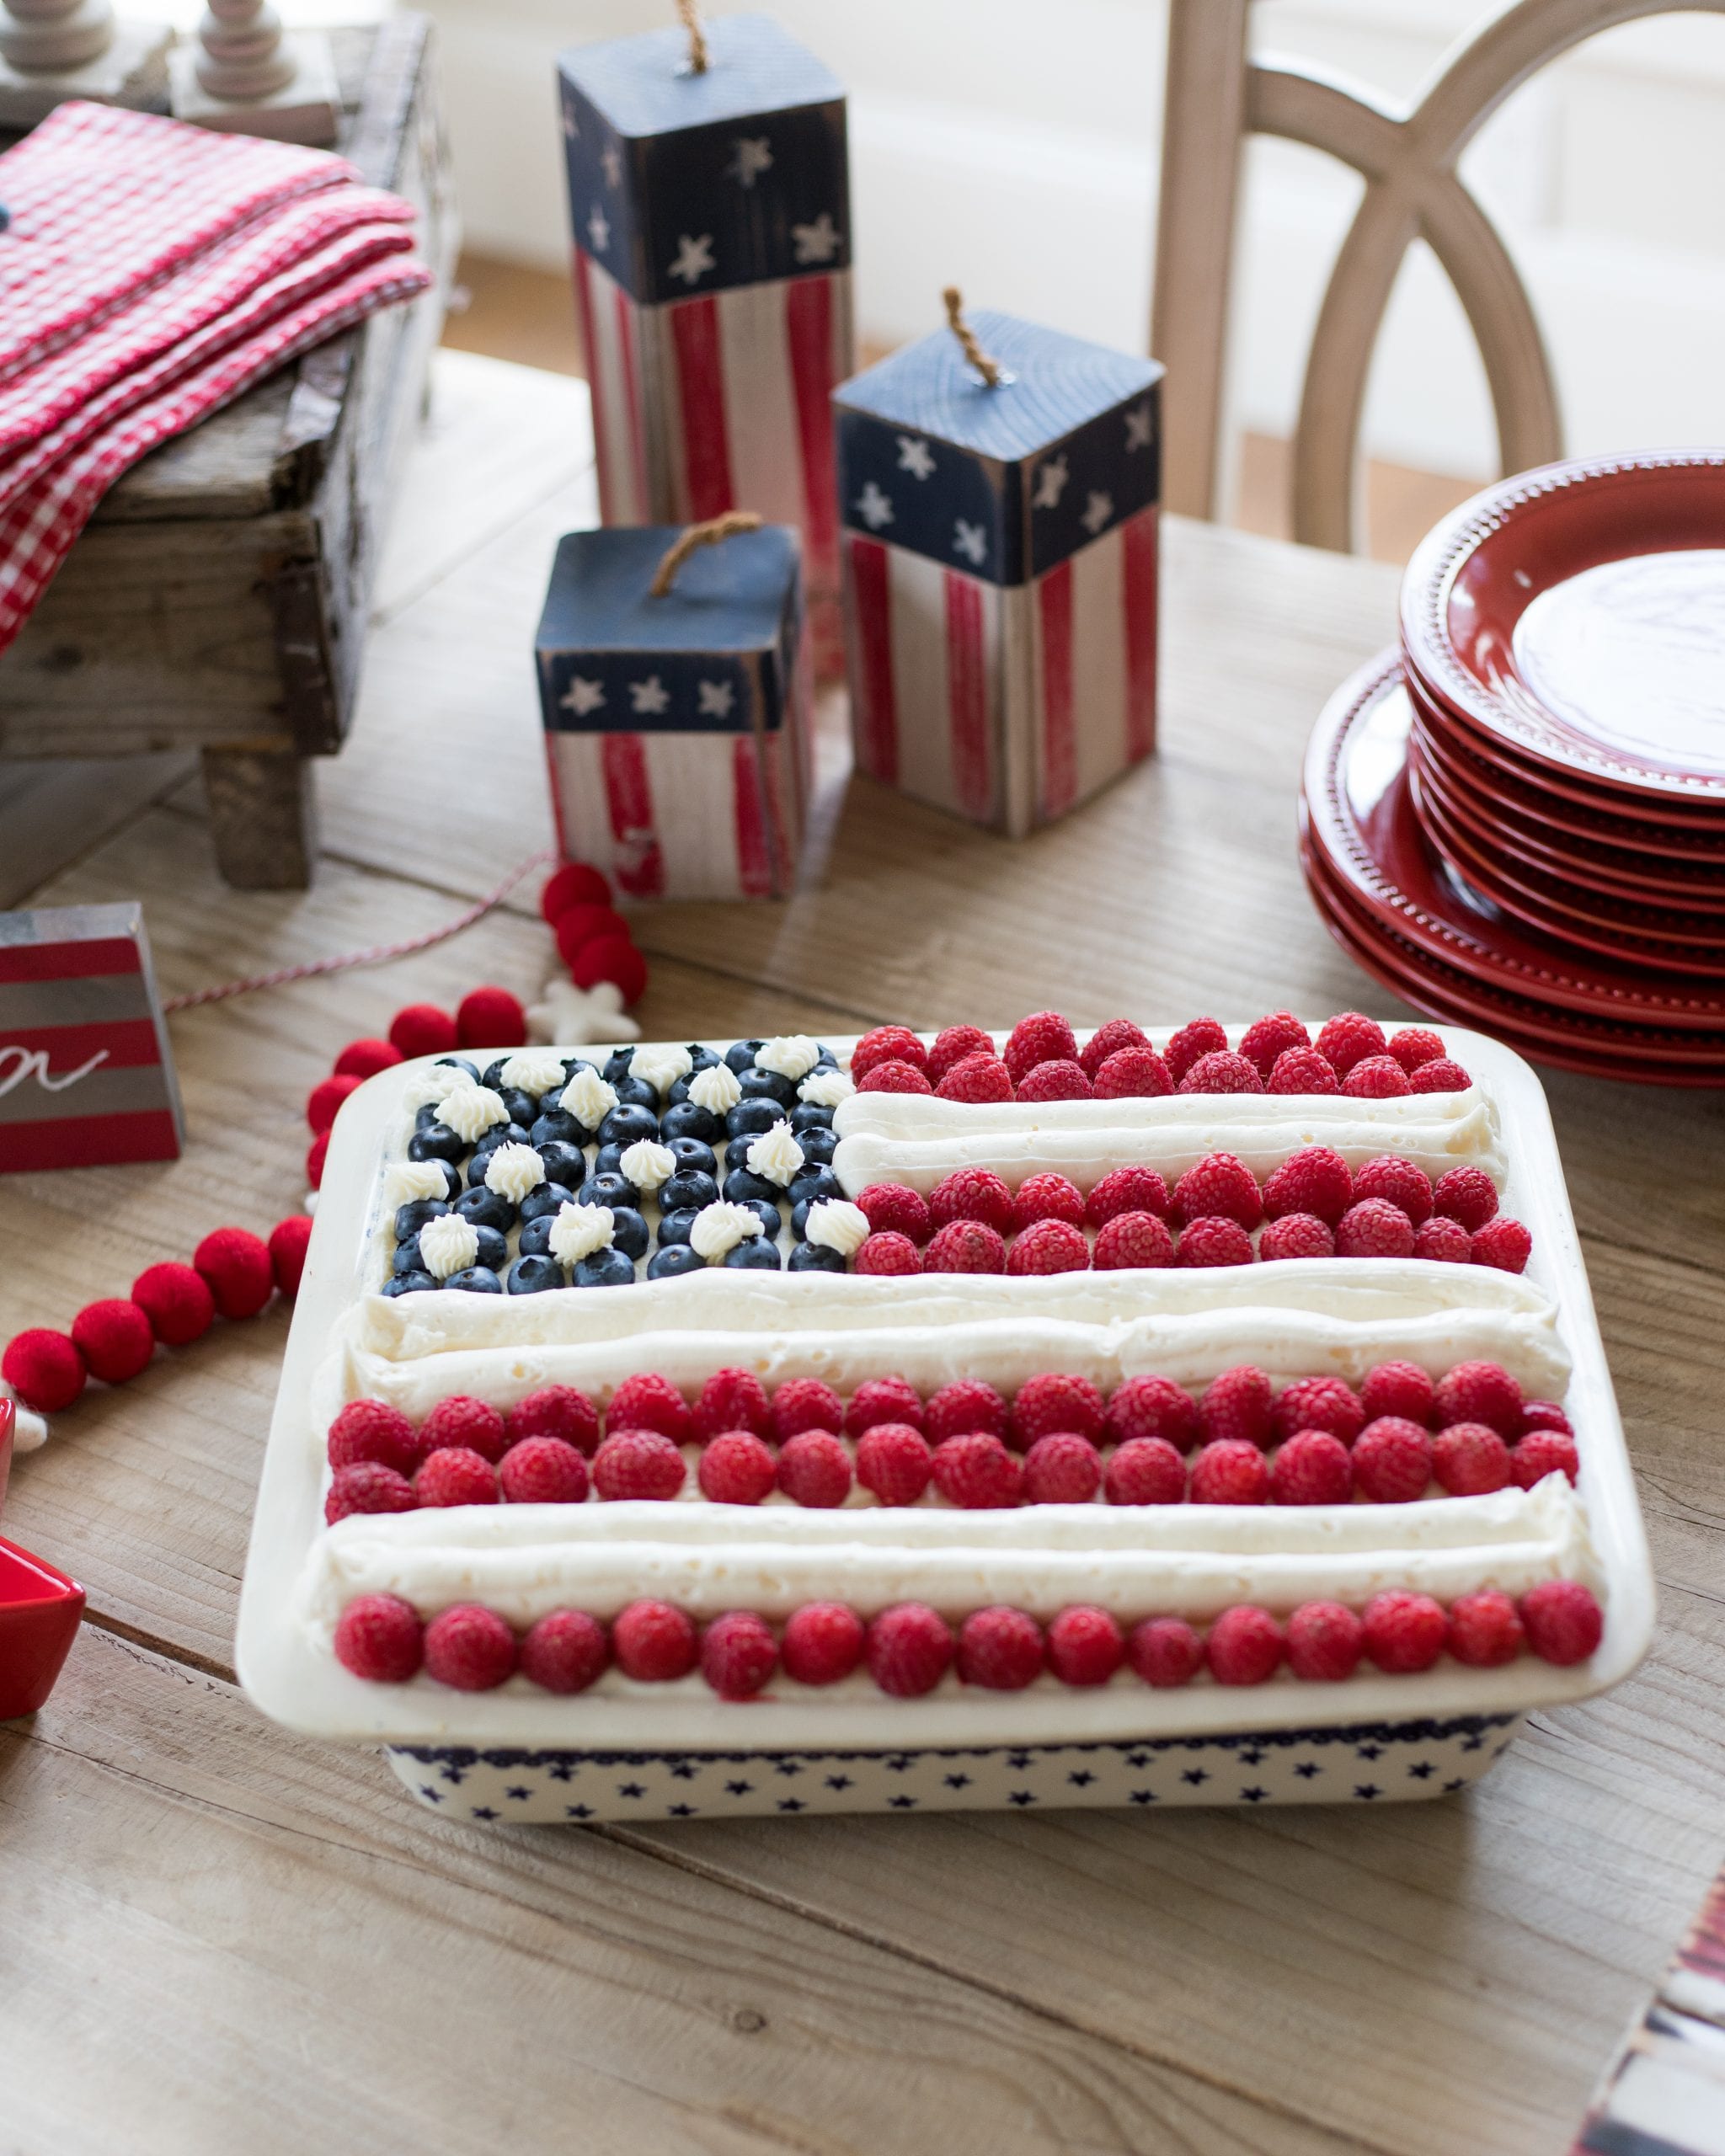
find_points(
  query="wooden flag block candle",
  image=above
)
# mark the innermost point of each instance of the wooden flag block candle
(676, 726)
(999, 550)
(712, 220)
(86, 1075)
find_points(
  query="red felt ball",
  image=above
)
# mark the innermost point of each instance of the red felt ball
(287, 1251)
(574, 884)
(316, 1154)
(581, 925)
(366, 1058)
(613, 958)
(114, 1338)
(326, 1097)
(491, 1017)
(177, 1301)
(44, 1369)
(236, 1265)
(422, 1029)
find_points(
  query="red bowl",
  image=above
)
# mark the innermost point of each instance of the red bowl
(40, 1613)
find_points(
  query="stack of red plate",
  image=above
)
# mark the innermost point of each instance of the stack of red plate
(1518, 819)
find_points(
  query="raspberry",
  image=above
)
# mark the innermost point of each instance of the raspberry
(1113, 1039)
(1376, 1078)
(1348, 1039)
(1442, 1076)
(1054, 1082)
(887, 1255)
(815, 1470)
(1152, 1407)
(1470, 1461)
(565, 1651)
(1374, 1229)
(368, 1486)
(1044, 1036)
(1000, 1649)
(1053, 1401)
(1541, 1452)
(1295, 1234)
(542, 1472)
(977, 1473)
(1267, 1039)
(736, 1469)
(909, 1649)
(1133, 1242)
(1324, 1642)
(965, 1404)
(1415, 1045)
(469, 1649)
(893, 1078)
(1236, 1404)
(371, 1429)
(1314, 1179)
(654, 1642)
(887, 1044)
(894, 1461)
(1545, 1415)
(822, 1643)
(1229, 1471)
(1244, 1647)
(114, 1337)
(1133, 1073)
(805, 1404)
(971, 1194)
(1049, 1246)
(1403, 1182)
(1319, 1404)
(1399, 1389)
(1223, 1072)
(638, 1464)
(1061, 1469)
(964, 1247)
(649, 1402)
(1047, 1197)
(1203, 1037)
(1144, 1471)
(1085, 1645)
(738, 1654)
(1164, 1652)
(1443, 1242)
(1563, 1621)
(1312, 1468)
(732, 1399)
(456, 1476)
(953, 1044)
(556, 1410)
(1484, 1630)
(1214, 1242)
(1127, 1190)
(1503, 1243)
(378, 1637)
(1220, 1186)
(463, 1421)
(1479, 1392)
(1404, 1632)
(1393, 1461)
(976, 1079)
(893, 1208)
(883, 1400)
(1302, 1070)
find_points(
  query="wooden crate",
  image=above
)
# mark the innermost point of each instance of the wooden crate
(217, 599)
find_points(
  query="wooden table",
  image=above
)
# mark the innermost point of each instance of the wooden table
(216, 1937)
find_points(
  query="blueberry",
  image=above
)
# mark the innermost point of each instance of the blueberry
(500, 1134)
(668, 1261)
(674, 1227)
(475, 1280)
(605, 1268)
(768, 1215)
(686, 1119)
(693, 1153)
(767, 1085)
(572, 1064)
(617, 1065)
(486, 1209)
(436, 1141)
(819, 1145)
(636, 1093)
(740, 1055)
(756, 1252)
(522, 1107)
(689, 1186)
(624, 1125)
(535, 1235)
(609, 1190)
(564, 1163)
(628, 1231)
(411, 1218)
(492, 1075)
(748, 1119)
(557, 1127)
(408, 1284)
(542, 1204)
(493, 1251)
(427, 1113)
(532, 1274)
(742, 1184)
(407, 1258)
(809, 1115)
(699, 1058)
(458, 1063)
(816, 1257)
(814, 1181)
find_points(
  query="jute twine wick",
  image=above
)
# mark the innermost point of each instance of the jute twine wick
(989, 369)
(699, 57)
(708, 534)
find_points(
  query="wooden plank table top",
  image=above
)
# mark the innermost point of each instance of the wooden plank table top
(216, 1936)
